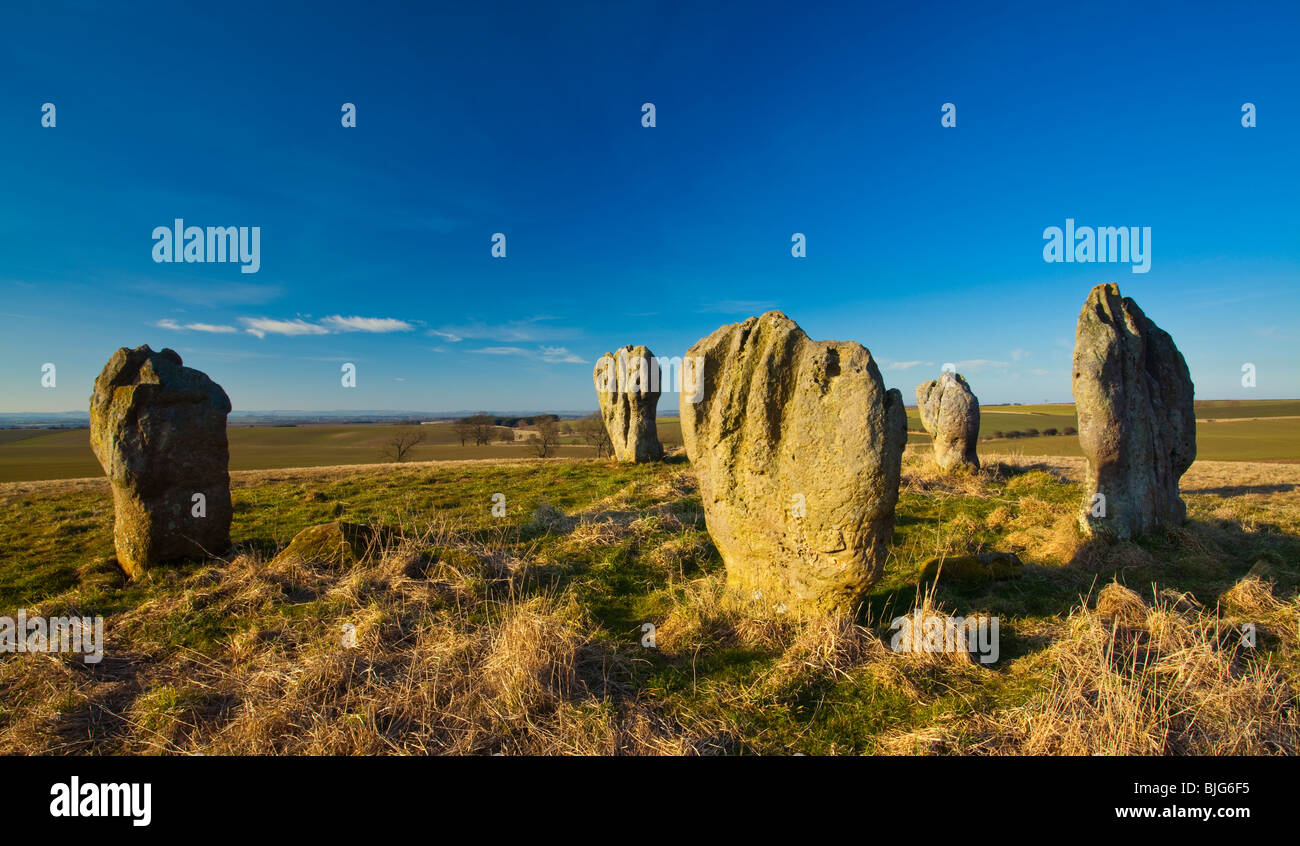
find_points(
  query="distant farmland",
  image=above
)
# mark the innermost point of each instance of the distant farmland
(33, 454)
(1227, 430)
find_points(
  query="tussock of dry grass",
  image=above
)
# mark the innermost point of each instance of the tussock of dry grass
(709, 613)
(1131, 678)
(831, 646)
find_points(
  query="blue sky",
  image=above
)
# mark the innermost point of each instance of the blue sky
(924, 243)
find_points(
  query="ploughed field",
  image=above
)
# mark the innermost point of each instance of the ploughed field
(524, 634)
(1230, 430)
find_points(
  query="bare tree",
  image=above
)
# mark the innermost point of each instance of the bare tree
(402, 442)
(592, 429)
(548, 434)
(482, 426)
(506, 435)
(464, 430)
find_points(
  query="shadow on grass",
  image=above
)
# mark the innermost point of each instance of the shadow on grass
(1001, 470)
(1201, 558)
(1237, 490)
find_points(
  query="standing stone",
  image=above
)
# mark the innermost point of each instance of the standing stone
(627, 387)
(951, 414)
(798, 448)
(1137, 425)
(159, 431)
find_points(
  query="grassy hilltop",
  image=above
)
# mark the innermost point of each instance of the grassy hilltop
(523, 634)
(1227, 430)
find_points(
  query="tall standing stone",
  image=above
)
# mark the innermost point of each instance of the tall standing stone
(951, 414)
(158, 429)
(798, 447)
(627, 387)
(1137, 424)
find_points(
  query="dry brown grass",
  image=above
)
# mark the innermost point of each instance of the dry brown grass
(1132, 678)
(710, 613)
(1044, 531)
(524, 677)
(451, 663)
(474, 648)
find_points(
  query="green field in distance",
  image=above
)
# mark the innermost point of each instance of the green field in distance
(1240, 431)
(34, 454)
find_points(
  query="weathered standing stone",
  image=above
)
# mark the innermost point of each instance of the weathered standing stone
(159, 431)
(627, 387)
(1137, 426)
(336, 545)
(951, 414)
(798, 448)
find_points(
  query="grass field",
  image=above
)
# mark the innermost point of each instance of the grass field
(1014, 417)
(1226, 430)
(1266, 439)
(524, 634)
(32, 454)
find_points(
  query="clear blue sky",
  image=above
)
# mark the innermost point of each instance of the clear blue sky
(924, 243)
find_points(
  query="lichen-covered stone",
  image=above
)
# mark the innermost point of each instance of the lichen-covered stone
(797, 445)
(1137, 424)
(334, 546)
(627, 388)
(158, 429)
(951, 414)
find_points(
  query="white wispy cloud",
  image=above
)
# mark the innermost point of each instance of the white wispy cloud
(168, 323)
(900, 365)
(501, 351)
(550, 355)
(263, 326)
(334, 324)
(531, 329)
(561, 355)
(366, 324)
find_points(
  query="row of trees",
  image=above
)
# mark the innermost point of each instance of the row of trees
(482, 429)
(548, 429)
(1033, 433)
